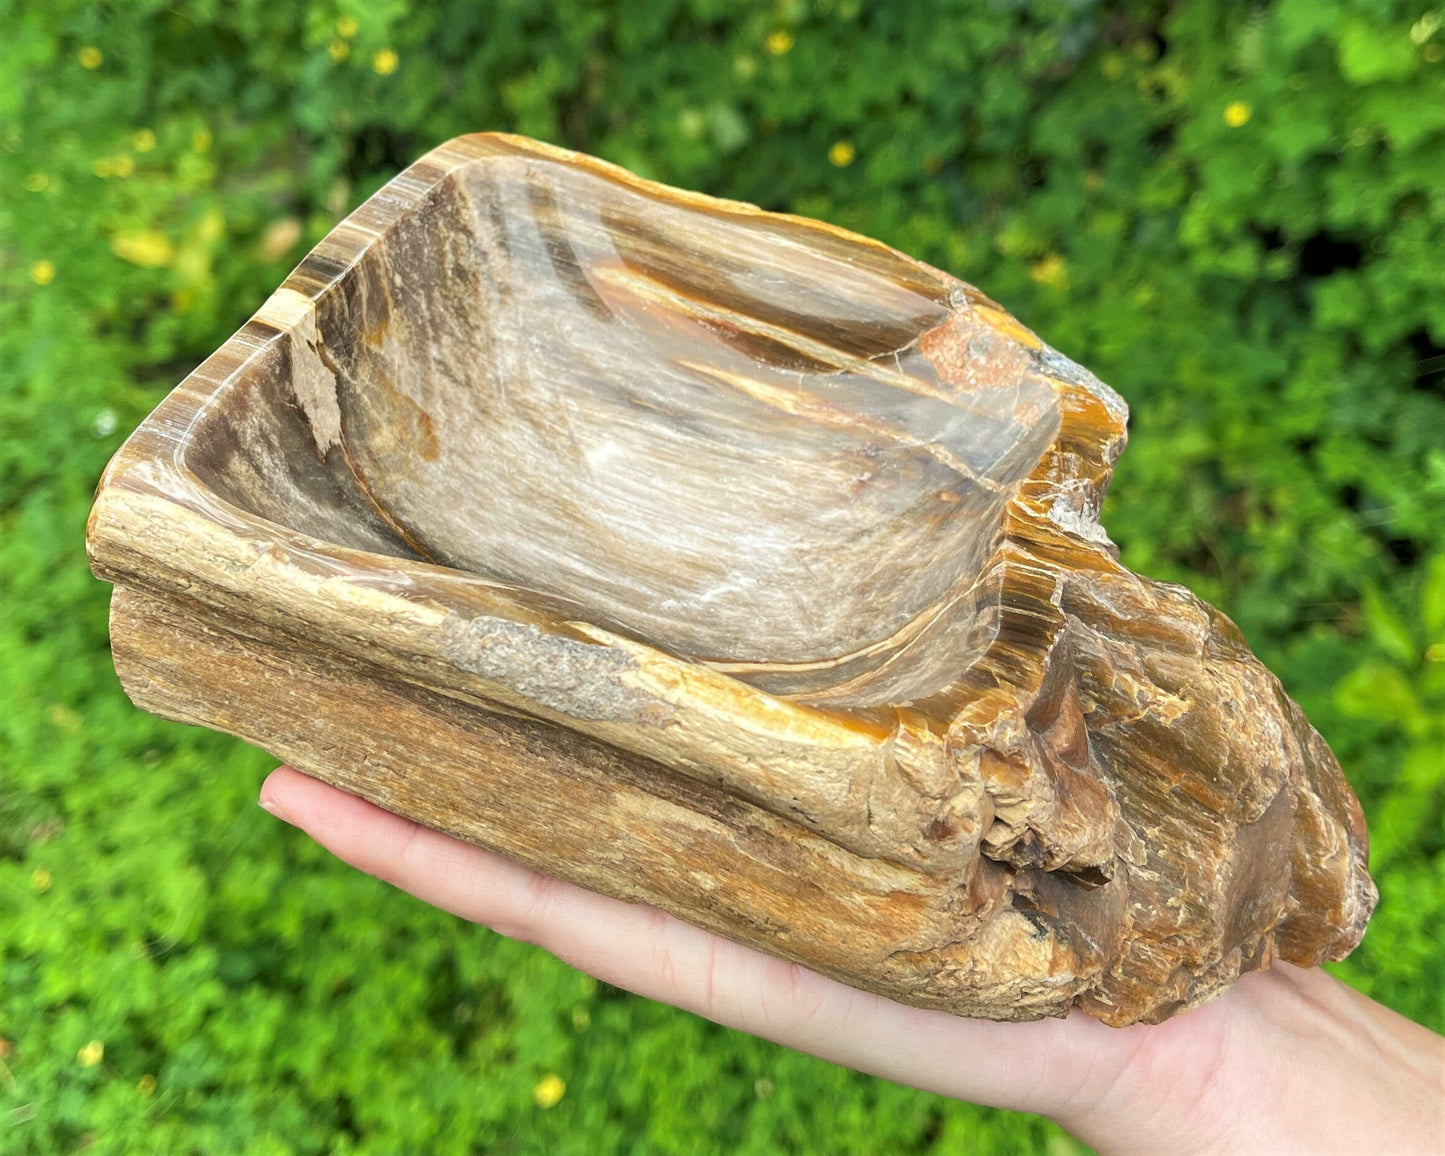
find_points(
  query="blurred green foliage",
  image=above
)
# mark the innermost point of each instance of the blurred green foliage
(1232, 211)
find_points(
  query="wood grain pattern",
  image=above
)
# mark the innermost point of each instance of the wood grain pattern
(731, 562)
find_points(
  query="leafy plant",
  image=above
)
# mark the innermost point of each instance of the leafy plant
(1397, 692)
(1232, 211)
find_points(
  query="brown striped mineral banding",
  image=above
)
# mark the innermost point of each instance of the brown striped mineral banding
(731, 562)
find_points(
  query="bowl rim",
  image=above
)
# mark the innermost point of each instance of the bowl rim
(158, 525)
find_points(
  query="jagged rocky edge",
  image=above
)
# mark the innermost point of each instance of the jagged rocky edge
(1161, 810)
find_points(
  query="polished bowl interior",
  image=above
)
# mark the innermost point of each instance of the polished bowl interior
(708, 428)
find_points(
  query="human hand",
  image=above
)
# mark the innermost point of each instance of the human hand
(1287, 1061)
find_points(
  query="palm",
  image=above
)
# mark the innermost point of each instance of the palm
(1195, 1083)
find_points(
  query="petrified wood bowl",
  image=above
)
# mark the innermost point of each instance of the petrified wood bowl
(734, 563)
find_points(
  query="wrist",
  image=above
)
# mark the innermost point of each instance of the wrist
(1290, 1061)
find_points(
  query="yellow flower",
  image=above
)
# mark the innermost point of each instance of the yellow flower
(40, 877)
(91, 1054)
(201, 140)
(1050, 270)
(1237, 113)
(346, 28)
(339, 50)
(37, 182)
(779, 43)
(90, 57)
(143, 141)
(146, 1085)
(842, 153)
(102, 167)
(549, 1090)
(384, 62)
(144, 247)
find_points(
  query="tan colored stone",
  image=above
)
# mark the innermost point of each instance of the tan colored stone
(729, 562)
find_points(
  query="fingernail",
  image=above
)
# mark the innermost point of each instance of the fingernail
(268, 805)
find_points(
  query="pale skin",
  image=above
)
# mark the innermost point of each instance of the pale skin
(1287, 1061)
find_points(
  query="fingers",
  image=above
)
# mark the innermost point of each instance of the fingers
(439, 870)
(629, 945)
(644, 950)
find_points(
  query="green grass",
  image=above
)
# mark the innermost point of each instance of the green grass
(1231, 211)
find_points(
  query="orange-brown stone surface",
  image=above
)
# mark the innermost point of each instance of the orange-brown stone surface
(734, 563)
